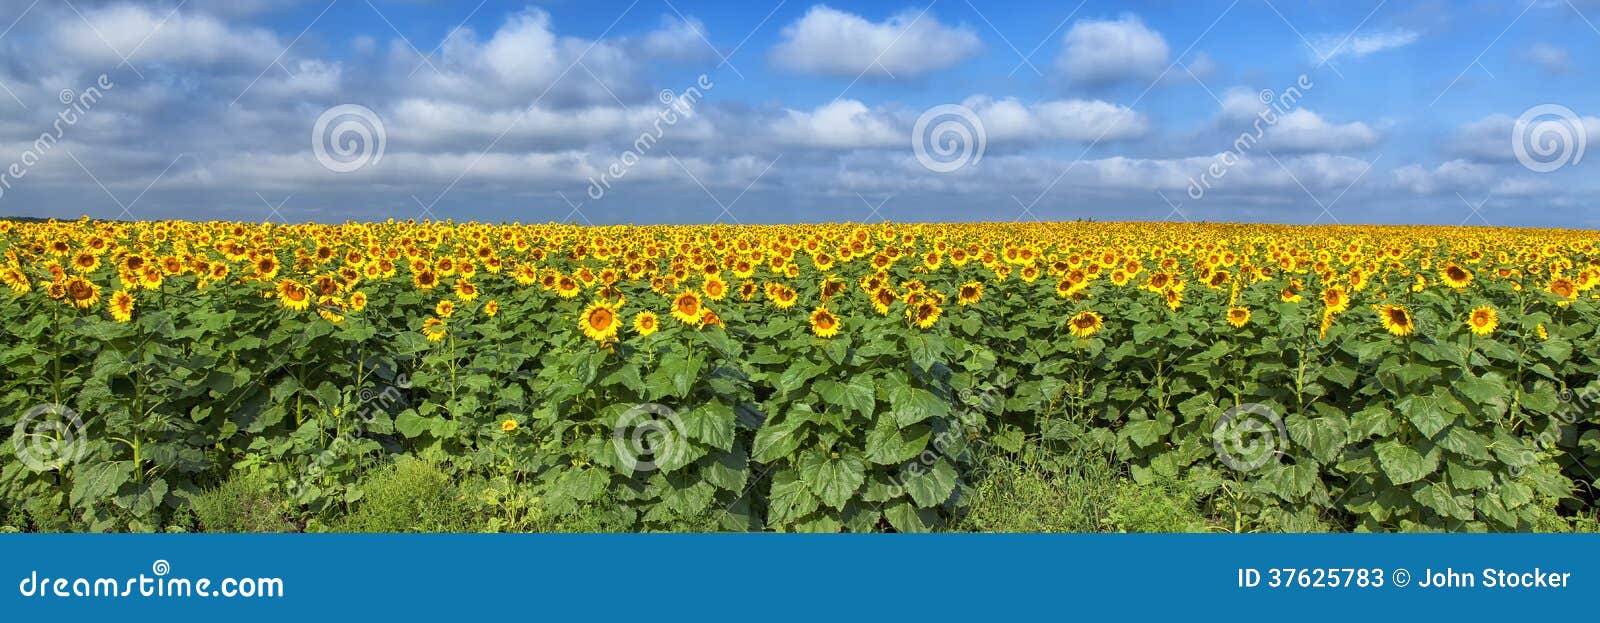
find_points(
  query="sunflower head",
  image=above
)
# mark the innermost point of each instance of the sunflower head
(1085, 324)
(824, 323)
(599, 321)
(1238, 316)
(686, 308)
(970, 293)
(508, 425)
(1397, 320)
(645, 323)
(1483, 320)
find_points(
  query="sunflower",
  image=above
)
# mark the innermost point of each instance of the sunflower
(686, 308)
(1564, 288)
(1085, 324)
(425, 280)
(567, 287)
(358, 301)
(783, 296)
(882, 298)
(599, 321)
(434, 329)
(491, 308)
(331, 309)
(444, 309)
(85, 262)
(466, 291)
(82, 293)
(1397, 320)
(293, 295)
(1335, 300)
(121, 306)
(970, 293)
(824, 323)
(16, 280)
(924, 314)
(645, 323)
(508, 426)
(715, 288)
(1238, 316)
(1483, 320)
(1455, 276)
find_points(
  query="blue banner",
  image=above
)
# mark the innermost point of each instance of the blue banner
(782, 577)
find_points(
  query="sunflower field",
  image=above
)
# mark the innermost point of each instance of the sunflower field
(831, 377)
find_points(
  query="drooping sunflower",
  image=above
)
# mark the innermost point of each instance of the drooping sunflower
(293, 295)
(1238, 316)
(1397, 320)
(1483, 320)
(599, 321)
(1455, 276)
(686, 308)
(16, 280)
(970, 292)
(645, 323)
(1085, 324)
(1564, 288)
(882, 298)
(121, 306)
(824, 323)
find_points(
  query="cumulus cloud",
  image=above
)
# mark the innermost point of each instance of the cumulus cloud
(1330, 46)
(1008, 119)
(828, 41)
(159, 35)
(841, 124)
(1305, 131)
(1447, 177)
(1490, 139)
(850, 124)
(678, 39)
(1105, 51)
(1549, 58)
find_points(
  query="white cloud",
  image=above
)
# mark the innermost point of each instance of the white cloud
(1099, 51)
(1449, 176)
(1490, 139)
(909, 44)
(1007, 119)
(161, 36)
(1305, 131)
(1330, 46)
(677, 39)
(1550, 58)
(840, 124)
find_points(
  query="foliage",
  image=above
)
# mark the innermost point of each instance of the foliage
(796, 377)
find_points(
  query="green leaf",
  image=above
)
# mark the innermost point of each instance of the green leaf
(790, 498)
(914, 404)
(907, 518)
(1402, 464)
(776, 440)
(711, 423)
(410, 424)
(99, 481)
(888, 444)
(929, 486)
(834, 480)
(1428, 413)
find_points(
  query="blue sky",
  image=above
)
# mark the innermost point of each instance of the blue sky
(1250, 110)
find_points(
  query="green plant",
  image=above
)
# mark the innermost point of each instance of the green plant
(246, 502)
